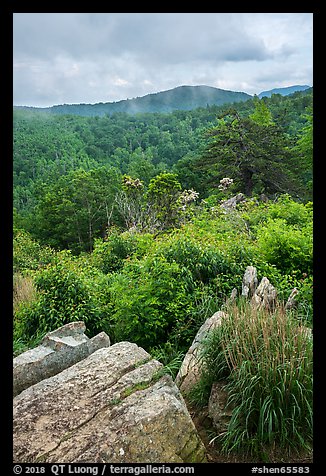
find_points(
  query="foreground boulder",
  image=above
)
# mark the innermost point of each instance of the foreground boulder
(113, 406)
(57, 351)
(191, 367)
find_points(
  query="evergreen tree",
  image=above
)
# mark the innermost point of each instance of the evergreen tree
(254, 153)
(261, 115)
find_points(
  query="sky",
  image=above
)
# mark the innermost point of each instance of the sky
(69, 58)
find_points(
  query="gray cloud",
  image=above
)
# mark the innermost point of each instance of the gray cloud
(89, 57)
(162, 37)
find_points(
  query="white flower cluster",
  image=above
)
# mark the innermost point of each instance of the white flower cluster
(225, 183)
(132, 183)
(186, 197)
(189, 196)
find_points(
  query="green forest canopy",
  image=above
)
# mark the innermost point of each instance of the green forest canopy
(68, 169)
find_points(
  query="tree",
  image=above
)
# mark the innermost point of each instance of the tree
(304, 148)
(255, 155)
(130, 203)
(76, 209)
(162, 206)
(261, 114)
(141, 165)
(162, 198)
(187, 172)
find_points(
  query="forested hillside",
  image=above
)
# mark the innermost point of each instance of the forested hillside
(121, 221)
(51, 151)
(179, 98)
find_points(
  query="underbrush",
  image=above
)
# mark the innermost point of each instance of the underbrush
(158, 289)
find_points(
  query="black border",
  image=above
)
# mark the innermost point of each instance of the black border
(6, 17)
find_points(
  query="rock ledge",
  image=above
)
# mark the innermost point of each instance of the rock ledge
(114, 406)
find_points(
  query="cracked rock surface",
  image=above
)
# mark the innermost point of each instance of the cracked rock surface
(58, 350)
(113, 406)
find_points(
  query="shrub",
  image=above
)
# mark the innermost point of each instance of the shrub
(267, 361)
(167, 295)
(64, 295)
(285, 246)
(256, 212)
(150, 299)
(28, 254)
(110, 255)
(292, 212)
(203, 262)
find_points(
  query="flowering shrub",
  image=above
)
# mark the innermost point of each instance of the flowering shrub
(187, 196)
(162, 206)
(225, 183)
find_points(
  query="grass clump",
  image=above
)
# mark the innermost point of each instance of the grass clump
(266, 359)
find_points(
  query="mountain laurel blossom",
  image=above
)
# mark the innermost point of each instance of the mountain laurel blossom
(225, 183)
(129, 182)
(188, 196)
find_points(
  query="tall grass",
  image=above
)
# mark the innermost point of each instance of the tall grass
(169, 356)
(267, 361)
(23, 290)
(24, 293)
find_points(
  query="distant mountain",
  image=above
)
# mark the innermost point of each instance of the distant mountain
(179, 98)
(283, 91)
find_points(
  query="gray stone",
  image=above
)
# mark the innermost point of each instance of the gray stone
(265, 295)
(231, 203)
(57, 351)
(191, 367)
(113, 406)
(232, 298)
(234, 294)
(249, 281)
(218, 410)
(292, 302)
(69, 335)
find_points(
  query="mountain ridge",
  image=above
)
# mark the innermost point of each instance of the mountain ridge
(179, 98)
(283, 91)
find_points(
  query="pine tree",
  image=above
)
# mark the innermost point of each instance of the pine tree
(253, 151)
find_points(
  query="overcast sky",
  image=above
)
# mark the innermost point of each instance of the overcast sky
(104, 57)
